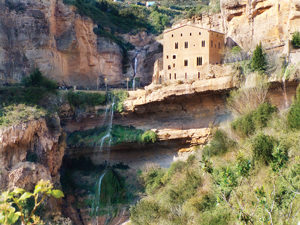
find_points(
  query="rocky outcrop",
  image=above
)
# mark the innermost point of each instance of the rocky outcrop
(268, 21)
(50, 35)
(29, 152)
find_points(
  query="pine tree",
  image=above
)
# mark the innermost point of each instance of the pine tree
(258, 61)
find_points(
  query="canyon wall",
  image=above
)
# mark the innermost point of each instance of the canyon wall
(52, 36)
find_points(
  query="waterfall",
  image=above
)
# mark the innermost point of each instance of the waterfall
(108, 120)
(284, 87)
(96, 203)
(135, 66)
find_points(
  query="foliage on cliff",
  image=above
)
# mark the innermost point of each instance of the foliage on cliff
(85, 99)
(15, 206)
(258, 60)
(296, 40)
(26, 101)
(256, 180)
(119, 134)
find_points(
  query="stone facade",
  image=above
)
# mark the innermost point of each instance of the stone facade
(188, 49)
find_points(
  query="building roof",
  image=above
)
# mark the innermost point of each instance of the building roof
(191, 25)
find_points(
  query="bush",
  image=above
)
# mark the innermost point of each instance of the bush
(84, 99)
(36, 79)
(262, 147)
(120, 97)
(152, 179)
(258, 60)
(149, 137)
(257, 119)
(296, 40)
(219, 144)
(293, 117)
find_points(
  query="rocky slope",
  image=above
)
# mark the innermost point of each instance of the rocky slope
(30, 152)
(53, 37)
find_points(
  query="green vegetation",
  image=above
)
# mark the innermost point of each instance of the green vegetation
(293, 117)
(258, 60)
(119, 134)
(219, 144)
(246, 125)
(296, 40)
(149, 137)
(256, 181)
(80, 99)
(24, 103)
(120, 96)
(14, 205)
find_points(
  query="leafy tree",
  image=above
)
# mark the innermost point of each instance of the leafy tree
(259, 61)
(296, 40)
(36, 79)
(12, 204)
(293, 117)
(262, 146)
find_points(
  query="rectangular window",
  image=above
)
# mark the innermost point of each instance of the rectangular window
(170, 76)
(198, 75)
(219, 45)
(169, 67)
(174, 56)
(176, 45)
(185, 75)
(167, 56)
(186, 44)
(199, 61)
(186, 62)
(203, 43)
(211, 44)
(174, 65)
(175, 76)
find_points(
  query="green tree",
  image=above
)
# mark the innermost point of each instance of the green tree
(259, 61)
(296, 40)
(13, 204)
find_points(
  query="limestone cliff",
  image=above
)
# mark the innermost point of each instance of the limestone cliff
(52, 36)
(270, 21)
(29, 152)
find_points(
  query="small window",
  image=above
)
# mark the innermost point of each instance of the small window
(186, 62)
(211, 44)
(181, 34)
(199, 61)
(219, 45)
(185, 75)
(199, 33)
(203, 43)
(167, 56)
(170, 76)
(169, 67)
(175, 76)
(174, 56)
(173, 65)
(198, 75)
(190, 34)
(172, 35)
(186, 44)
(215, 45)
(176, 45)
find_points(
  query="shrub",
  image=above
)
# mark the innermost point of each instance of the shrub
(243, 166)
(296, 40)
(120, 97)
(293, 117)
(152, 178)
(36, 79)
(258, 60)
(84, 99)
(262, 147)
(280, 157)
(257, 119)
(149, 137)
(219, 144)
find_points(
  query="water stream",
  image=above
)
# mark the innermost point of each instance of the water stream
(104, 142)
(135, 70)
(286, 103)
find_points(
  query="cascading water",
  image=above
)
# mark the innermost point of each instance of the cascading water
(135, 71)
(284, 87)
(107, 138)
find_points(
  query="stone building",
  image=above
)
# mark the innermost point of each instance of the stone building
(188, 49)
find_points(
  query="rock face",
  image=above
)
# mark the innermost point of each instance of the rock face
(53, 37)
(270, 21)
(29, 152)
